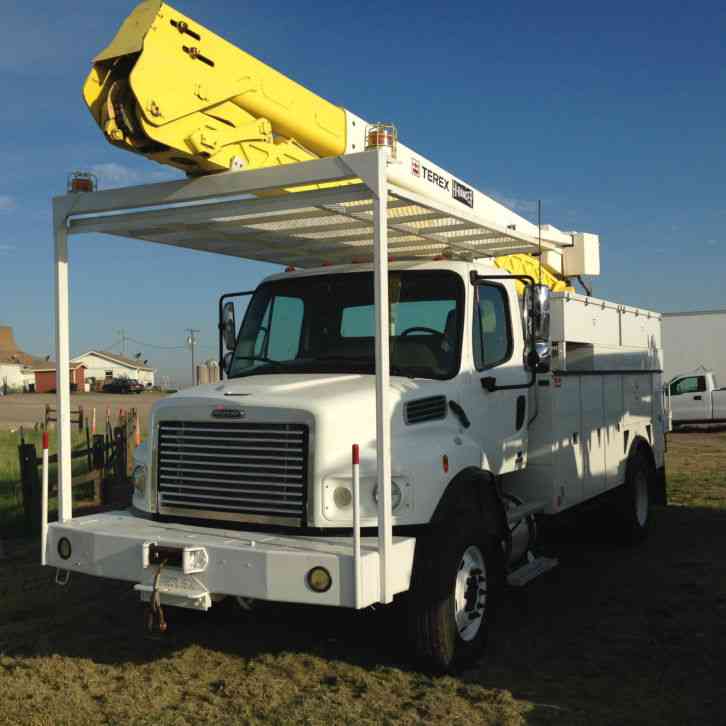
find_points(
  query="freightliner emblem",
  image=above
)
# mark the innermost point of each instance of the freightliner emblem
(223, 412)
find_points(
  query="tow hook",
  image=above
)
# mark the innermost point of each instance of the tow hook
(155, 613)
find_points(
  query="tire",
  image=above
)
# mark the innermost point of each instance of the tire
(457, 581)
(633, 505)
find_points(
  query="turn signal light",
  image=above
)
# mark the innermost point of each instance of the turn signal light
(319, 579)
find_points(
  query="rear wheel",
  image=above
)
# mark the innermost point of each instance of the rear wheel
(633, 503)
(458, 575)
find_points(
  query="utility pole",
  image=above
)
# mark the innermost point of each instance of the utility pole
(192, 342)
(122, 334)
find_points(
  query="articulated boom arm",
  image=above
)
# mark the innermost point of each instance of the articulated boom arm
(170, 89)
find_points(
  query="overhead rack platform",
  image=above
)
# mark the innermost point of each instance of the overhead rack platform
(334, 210)
(328, 219)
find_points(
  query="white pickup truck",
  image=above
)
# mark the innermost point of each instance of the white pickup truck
(695, 398)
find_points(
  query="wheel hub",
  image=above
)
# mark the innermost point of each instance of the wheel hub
(470, 593)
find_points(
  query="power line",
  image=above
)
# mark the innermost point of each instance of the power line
(154, 345)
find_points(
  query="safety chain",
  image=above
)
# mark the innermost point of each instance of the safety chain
(155, 613)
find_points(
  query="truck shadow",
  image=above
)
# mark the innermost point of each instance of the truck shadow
(612, 625)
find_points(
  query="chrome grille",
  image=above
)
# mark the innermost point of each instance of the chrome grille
(226, 470)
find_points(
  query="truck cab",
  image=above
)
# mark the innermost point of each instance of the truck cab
(695, 398)
(300, 388)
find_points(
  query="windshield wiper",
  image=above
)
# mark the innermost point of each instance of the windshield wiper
(259, 369)
(260, 358)
(395, 370)
(345, 358)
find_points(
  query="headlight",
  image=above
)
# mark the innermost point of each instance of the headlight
(139, 478)
(396, 495)
(343, 497)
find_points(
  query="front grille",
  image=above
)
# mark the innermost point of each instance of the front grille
(425, 409)
(225, 470)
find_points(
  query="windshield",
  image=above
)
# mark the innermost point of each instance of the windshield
(325, 324)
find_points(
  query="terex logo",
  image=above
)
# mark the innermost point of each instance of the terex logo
(462, 193)
(415, 166)
(434, 178)
(223, 412)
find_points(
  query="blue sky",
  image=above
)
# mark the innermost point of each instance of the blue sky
(612, 114)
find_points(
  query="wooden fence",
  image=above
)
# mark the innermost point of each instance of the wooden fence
(109, 458)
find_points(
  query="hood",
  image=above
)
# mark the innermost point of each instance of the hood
(318, 393)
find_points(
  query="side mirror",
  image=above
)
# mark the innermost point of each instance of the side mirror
(229, 326)
(537, 322)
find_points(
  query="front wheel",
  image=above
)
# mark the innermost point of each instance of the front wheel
(458, 576)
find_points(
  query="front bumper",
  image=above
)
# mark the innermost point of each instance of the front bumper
(254, 565)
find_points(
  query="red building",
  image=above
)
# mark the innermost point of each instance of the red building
(45, 377)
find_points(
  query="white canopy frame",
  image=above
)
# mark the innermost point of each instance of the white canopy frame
(248, 215)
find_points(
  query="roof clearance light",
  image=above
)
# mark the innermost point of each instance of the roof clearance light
(382, 136)
(82, 181)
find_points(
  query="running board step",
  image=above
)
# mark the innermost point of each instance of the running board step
(531, 570)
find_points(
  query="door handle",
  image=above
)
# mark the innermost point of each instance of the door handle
(698, 398)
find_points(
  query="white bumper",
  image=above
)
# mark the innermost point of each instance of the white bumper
(248, 564)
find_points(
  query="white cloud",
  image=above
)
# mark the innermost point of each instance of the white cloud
(526, 206)
(6, 203)
(111, 175)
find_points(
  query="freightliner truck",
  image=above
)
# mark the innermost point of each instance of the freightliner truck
(402, 405)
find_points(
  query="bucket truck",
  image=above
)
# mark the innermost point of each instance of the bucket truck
(402, 404)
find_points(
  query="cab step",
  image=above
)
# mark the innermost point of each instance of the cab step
(533, 569)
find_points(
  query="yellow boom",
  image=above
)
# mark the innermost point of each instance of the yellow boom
(170, 89)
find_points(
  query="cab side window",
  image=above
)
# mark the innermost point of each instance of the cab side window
(692, 384)
(492, 335)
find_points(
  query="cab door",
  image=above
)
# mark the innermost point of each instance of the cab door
(499, 415)
(690, 401)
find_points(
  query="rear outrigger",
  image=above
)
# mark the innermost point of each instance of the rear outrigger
(400, 404)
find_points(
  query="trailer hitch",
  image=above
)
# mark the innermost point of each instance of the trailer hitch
(155, 613)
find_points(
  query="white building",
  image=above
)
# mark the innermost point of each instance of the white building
(102, 366)
(694, 340)
(15, 376)
(16, 367)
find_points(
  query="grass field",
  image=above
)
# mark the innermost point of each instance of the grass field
(619, 636)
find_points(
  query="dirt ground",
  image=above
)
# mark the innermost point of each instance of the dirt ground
(614, 636)
(27, 409)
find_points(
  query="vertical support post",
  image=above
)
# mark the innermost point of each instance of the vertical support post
(44, 503)
(383, 421)
(62, 381)
(356, 525)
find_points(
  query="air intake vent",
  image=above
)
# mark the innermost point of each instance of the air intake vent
(425, 409)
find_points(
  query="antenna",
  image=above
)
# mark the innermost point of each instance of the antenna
(539, 231)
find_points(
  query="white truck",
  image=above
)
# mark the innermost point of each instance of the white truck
(695, 398)
(399, 405)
